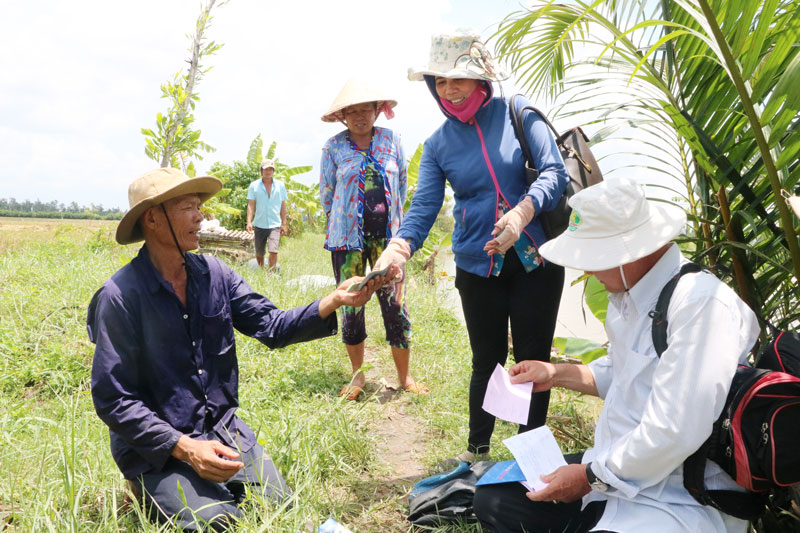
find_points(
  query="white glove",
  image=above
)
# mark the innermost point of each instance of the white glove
(508, 229)
(397, 252)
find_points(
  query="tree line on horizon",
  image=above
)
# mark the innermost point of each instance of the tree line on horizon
(10, 207)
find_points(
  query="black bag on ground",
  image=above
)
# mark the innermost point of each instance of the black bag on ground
(581, 165)
(446, 497)
(755, 439)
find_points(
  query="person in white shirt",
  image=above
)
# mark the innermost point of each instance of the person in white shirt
(657, 411)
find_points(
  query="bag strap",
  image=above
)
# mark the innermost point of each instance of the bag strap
(743, 505)
(517, 122)
(531, 172)
(659, 314)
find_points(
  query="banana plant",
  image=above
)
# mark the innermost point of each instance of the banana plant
(596, 298)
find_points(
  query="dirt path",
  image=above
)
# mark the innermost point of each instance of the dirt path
(401, 440)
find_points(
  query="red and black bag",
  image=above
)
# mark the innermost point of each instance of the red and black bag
(755, 439)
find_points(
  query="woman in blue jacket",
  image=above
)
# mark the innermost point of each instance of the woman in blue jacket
(499, 273)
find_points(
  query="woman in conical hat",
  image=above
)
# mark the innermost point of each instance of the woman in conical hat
(499, 274)
(362, 190)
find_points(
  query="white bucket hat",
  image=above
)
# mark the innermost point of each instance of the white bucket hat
(156, 187)
(357, 91)
(613, 224)
(459, 55)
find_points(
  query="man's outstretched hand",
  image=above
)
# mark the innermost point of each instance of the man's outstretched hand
(204, 457)
(342, 296)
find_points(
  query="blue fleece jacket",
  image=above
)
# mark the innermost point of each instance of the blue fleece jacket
(454, 154)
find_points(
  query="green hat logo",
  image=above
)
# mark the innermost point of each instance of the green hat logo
(575, 220)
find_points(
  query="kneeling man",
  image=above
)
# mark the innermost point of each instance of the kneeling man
(165, 372)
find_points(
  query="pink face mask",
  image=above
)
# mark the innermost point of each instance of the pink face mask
(466, 110)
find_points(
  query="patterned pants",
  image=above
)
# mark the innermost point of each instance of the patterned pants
(349, 263)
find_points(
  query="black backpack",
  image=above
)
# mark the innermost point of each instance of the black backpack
(755, 439)
(581, 165)
(446, 497)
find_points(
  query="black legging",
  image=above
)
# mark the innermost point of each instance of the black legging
(530, 300)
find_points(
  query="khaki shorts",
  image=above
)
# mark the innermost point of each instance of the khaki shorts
(267, 238)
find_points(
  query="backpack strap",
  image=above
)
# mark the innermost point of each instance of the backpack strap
(659, 314)
(517, 115)
(743, 505)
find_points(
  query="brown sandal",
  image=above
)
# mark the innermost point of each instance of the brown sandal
(418, 388)
(351, 392)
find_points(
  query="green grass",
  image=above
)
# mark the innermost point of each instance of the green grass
(56, 471)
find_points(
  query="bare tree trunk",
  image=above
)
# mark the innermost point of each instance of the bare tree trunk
(742, 280)
(194, 62)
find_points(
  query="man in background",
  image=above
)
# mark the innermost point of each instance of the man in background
(266, 213)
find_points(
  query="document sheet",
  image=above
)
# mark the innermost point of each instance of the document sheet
(506, 400)
(537, 453)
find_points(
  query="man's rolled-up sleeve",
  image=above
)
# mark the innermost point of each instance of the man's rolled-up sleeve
(115, 381)
(603, 373)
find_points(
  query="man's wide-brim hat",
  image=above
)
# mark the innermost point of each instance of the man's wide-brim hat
(613, 224)
(357, 91)
(459, 55)
(156, 187)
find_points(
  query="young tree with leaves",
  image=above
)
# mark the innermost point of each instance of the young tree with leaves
(174, 141)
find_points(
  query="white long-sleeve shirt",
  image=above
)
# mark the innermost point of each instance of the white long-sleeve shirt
(657, 412)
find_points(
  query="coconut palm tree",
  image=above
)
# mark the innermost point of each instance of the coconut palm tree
(709, 90)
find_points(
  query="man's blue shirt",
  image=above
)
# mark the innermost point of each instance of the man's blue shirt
(268, 205)
(162, 369)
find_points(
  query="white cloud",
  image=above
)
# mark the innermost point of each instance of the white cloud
(81, 79)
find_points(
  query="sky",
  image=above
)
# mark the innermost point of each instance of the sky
(80, 79)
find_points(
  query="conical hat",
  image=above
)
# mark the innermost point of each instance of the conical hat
(356, 91)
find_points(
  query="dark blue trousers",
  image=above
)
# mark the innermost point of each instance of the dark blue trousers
(205, 502)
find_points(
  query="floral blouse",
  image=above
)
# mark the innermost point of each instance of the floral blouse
(341, 185)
